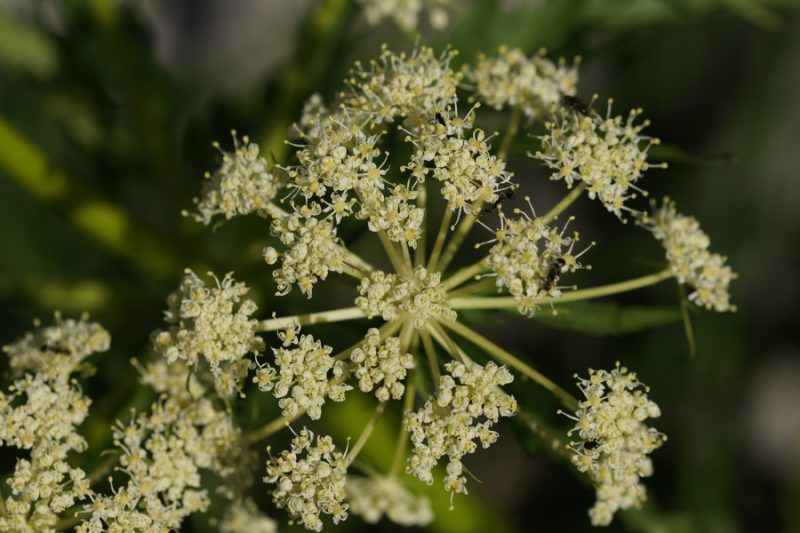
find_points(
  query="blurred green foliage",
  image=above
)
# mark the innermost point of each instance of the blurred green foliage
(101, 147)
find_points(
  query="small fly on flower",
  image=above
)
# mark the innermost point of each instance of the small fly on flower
(55, 348)
(554, 273)
(504, 195)
(577, 105)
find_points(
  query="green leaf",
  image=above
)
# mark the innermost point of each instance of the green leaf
(607, 318)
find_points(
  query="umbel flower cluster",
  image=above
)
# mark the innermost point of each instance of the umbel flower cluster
(398, 151)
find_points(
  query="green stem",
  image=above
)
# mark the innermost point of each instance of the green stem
(509, 359)
(422, 202)
(564, 203)
(433, 361)
(550, 440)
(364, 437)
(509, 302)
(391, 252)
(321, 317)
(103, 468)
(465, 273)
(511, 132)
(473, 288)
(457, 239)
(449, 344)
(444, 227)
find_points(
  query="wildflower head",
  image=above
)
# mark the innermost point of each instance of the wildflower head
(466, 406)
(242, 185)
(421, 295)
(309, 480)
(306, 377)
(606, 153)
(381, 366)
(210, 325)
(534, 84)
(528, 257)
(614, 443)
(57, 350)
(406, 13)
(690, 260)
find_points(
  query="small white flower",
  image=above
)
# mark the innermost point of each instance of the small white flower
(211, 324)
(310, 480)
(468, 403)
(529, 257)
(614, 441)
(242, 185)
(421, 295)
(691, 261)
(243, 516)
(607, 153)
(381, 366)
(302, 381)
(514, 80)
(405, 13)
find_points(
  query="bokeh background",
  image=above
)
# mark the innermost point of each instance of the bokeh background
(107, 112)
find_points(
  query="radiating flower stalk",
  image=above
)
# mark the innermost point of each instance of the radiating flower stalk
(419, 356)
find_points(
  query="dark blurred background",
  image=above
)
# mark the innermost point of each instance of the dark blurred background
(108, 109)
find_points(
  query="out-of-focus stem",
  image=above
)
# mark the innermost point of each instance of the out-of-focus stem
(364, 437)
(561, 206)
(444, 227)
(465, 273)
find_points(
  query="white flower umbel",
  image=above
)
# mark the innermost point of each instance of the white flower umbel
(608, 154)
(307, 375)
(243, 516)
(405, 13)
(460, 159)
(242, 185)
(164, 452)
(381, 366)
(468, 403)
(312, 250)
(56, 350)
(373, 497)
(528, 257)
(513, 80)
(40, 413)
(614, 441)
(691, 262)
(421, 295)
(310, 480)
(212, 325)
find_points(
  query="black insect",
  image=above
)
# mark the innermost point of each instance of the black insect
(503, 196)
(590, 444)
(440, 119)
(554, 273)
(577, 105)
(54, 348)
